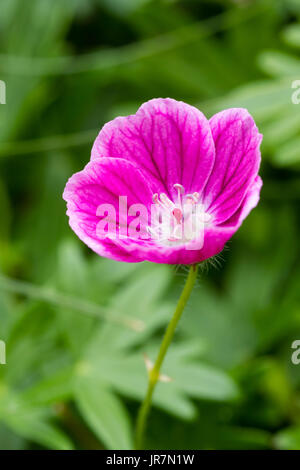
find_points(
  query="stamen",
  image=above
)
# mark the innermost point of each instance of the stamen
(180, 221)
(180, 191)
(192, 198)
(162, 200)
(204, 217)
(155, 198)
(179, 187)
(166, 201)
(177, 233)
(152, 232)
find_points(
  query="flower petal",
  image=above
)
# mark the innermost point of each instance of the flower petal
(250, 201)
(236, 164)
(169, 141)
(100, 183)
(148, 250)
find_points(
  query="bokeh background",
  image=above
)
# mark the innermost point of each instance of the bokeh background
(75, 325)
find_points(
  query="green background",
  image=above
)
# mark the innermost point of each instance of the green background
(75, 325)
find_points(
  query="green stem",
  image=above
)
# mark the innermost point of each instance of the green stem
(155, 371)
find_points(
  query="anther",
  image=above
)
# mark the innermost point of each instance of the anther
(180, 191)
(155, 198)
(165, 200)
(193, 197)
(179, 187)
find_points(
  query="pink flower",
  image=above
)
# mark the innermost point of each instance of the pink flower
(194, 172)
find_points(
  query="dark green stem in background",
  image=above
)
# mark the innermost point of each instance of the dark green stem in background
(154, 373)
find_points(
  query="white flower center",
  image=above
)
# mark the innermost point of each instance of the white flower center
(178, 222)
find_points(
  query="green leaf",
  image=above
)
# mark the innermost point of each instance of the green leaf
(291, 35)
(288, 154)
(288, 439)
(242, 438)
(58, 387)
(141, 299)
(104, 412)
(279, 64)
(32, 422)
(9, 440)
(31, 425)
(123, 7)
(174, 402)
(262, 99)
(195, 379)
(281, 129)
(126, 373)
(204, 382)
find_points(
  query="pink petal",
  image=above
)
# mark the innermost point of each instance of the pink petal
(169, 141)
(250, 201)
(143, 250)
(102, 182)
(237, 161)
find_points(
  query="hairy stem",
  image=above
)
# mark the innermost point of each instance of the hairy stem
(154, 373)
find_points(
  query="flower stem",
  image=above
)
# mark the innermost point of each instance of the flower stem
(154, 373)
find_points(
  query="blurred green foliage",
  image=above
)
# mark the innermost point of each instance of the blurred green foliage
(76, 326)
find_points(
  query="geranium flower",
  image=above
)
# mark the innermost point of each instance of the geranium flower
(201, 177)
